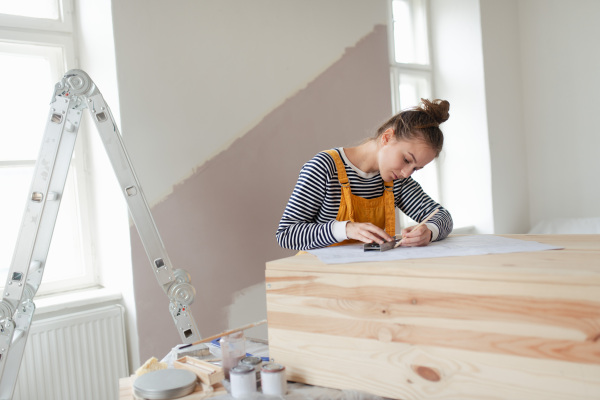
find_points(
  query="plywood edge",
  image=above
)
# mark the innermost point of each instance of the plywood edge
(541, 266)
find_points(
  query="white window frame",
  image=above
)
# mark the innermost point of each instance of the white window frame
(429, 176)
(58, 33)
(64, 23)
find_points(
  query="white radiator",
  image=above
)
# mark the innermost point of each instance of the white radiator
(76, 356)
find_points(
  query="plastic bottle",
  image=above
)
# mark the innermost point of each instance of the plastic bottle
(233, 349)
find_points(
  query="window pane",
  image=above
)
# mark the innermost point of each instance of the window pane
(65, 256)
(412, 87)
(11, 212)
(65, 259)
(30, 8)
(410, 32)
(27, 82)
(28, 73)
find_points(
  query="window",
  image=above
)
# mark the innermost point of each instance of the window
(36, 49)
(411, 74)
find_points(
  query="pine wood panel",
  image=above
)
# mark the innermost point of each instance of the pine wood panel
(523, 325)
(548, 266)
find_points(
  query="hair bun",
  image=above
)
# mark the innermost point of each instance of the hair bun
(436, 109)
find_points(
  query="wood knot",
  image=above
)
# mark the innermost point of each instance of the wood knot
(384, 335)
(414, 301)
(427, 373)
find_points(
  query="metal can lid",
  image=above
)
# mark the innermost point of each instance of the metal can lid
(272, 367)
(165, 384)
(251, 360)
(241, 369)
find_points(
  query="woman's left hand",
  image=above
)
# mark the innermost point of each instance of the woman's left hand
(420, 236)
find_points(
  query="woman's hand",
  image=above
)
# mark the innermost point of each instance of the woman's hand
(421, 236)
(366, 232)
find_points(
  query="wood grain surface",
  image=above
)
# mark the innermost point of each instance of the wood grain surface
(505, 326)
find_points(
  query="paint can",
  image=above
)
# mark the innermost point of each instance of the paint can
(243, 381)
(273, 379)
(254, 362)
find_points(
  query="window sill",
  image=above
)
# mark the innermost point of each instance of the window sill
(76, 299)
(464, 230)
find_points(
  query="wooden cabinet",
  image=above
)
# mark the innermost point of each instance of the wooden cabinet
(502, 326)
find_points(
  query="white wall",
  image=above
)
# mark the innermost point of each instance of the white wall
(504, 109)
(560, 66)
(196, 75)
(522, 137)
(459, 77)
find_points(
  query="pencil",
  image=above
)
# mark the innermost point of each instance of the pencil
(422, 222)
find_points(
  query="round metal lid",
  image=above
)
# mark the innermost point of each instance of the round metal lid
(241, 369)
(251, 360)
(272, 367)
(165, 384)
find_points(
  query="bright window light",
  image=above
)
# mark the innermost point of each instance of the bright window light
(410, 32)
(48, 9)
(25, 114)
(413, 87)
(411, 76)
(29, 73)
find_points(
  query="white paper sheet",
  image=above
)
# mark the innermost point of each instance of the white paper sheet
(470, 245)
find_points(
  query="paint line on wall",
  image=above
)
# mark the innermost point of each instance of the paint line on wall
(241, 193)
(227, 145)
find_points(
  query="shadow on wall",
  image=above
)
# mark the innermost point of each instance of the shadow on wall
(220, 223)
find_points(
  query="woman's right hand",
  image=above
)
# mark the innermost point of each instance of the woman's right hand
(366, 232)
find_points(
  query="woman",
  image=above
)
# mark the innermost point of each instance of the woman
(348, 195)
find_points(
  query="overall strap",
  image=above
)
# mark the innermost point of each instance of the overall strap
(390, 208)
(343, 178)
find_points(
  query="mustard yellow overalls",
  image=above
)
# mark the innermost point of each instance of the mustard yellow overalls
(379, 211)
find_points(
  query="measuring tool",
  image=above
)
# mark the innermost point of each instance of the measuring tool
(392, 244)
(382, 247)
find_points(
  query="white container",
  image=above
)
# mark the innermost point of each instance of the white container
(273, 379)
(233, 349)
(243, 381)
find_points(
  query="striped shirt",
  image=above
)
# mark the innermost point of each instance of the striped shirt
(311, 212)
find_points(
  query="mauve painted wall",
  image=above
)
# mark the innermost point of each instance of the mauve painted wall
(220, 223)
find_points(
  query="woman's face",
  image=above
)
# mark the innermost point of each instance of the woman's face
(398, 159)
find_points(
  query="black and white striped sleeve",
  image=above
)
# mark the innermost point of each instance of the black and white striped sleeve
(414, 202)
(299, 228)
